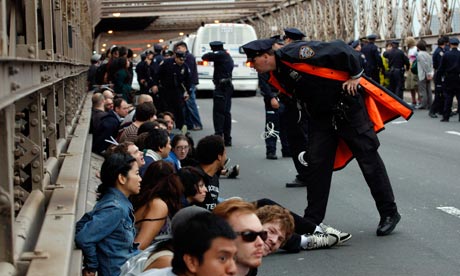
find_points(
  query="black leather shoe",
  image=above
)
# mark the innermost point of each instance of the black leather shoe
(272, 156)
(228, 144)
(388, 224)
(432, 115)
(445, 120)
(296, 183)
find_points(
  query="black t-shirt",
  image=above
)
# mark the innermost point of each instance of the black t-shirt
(212, 184)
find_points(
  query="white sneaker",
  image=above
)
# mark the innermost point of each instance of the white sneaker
(320, 240)
(343, 237)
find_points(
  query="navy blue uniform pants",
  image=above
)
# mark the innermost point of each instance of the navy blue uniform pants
(450, 92)
(221, 115)
(396, 82)
(356, 130)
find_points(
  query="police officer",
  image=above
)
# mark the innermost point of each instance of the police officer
(438, 103)
(222, 78)
(356, 45)
(450, 69)
(174, 85)
(374, 62)
(274, 110)
(335, 110)
(397, 61)
(295, 121)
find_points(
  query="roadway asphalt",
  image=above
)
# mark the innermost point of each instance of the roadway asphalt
(422, 157)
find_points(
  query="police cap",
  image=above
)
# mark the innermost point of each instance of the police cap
(158, 48)
(454, 41)
(277, 39)
(95, 57)
(372, 37)
(293, 33)
(257, 47)
(354, 44)
(216, 45)
(149, 52)
(395, 42)
(180, 54)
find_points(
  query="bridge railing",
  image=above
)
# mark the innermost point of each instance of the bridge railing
(44, 50)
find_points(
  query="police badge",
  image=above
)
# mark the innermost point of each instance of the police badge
(306, 52)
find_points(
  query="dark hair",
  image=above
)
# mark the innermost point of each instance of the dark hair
(441, 41)
(196, 236)
(180, 43)
(147, 127)
(159, 181)
(117, 102)
(145, 111)
(114, 165)
(209, 148)
(156, 139)
(177, 138)
(122, 51)
(421, 45)
(162, 115)
(190, 176)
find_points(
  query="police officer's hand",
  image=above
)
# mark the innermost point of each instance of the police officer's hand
(351, 86)
(274, 103)
(186, 96)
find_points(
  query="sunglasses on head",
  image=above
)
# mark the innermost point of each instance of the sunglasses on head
(250, 236)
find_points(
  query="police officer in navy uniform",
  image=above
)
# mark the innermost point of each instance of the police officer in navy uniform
(450, 69)
(438, 103)
(296, 122)
(222, 78)
(374, 62)
(174, 82)
(335, 109)
(274, 111)
(397, 62)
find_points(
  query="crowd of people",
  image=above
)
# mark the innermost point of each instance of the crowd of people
(159, 209)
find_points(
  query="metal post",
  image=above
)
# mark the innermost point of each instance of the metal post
(36, 135)
(6, 185)
(47, 53)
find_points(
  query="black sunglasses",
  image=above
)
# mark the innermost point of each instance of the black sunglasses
(250, 236)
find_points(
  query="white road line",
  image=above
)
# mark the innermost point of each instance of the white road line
(234, 121)
(453, 132)
(450, 210)
(398, 122)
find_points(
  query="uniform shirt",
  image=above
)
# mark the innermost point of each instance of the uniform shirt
(223, 64)
(374, 61)
(191, 63)
(320, 95)
(450, 67)
(397, 59)
(174, 77)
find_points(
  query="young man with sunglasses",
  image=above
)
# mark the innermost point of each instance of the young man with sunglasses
(241, 216)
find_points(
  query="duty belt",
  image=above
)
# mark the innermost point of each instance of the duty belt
(221, 81)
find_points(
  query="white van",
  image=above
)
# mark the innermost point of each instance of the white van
(234, 36)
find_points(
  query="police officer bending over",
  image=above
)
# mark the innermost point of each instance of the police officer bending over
(335, 111)
(223, 67)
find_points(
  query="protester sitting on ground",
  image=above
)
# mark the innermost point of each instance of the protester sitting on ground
(128, 148)
(241, 216)
(158, 201)
(143, 98)
(107, 132)
(106, 234)
(194, 187)
(97, 111)
(145, 113)
(179, 150)
(157, 146)
(168, 117)
(204, 245)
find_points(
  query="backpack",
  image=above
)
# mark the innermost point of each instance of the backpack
(413, 67)
(100, 73)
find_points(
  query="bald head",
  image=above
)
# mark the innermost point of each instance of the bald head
(98, 101)
(144, 98)
(108, 94)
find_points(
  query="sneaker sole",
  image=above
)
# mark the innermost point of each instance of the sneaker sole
(345, 239)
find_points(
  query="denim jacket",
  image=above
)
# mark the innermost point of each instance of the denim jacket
(106, 234)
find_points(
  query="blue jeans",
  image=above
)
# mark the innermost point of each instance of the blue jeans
(192, 117)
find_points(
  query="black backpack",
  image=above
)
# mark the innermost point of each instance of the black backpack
(100, 73)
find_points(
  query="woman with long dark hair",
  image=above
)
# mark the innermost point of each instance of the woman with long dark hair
(106, 234)
(156, 204)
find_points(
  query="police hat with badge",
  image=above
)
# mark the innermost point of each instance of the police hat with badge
(293, 33)
(277, 39)
(258, 47)
(216, 45)
(180, 55)
(454, 41)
